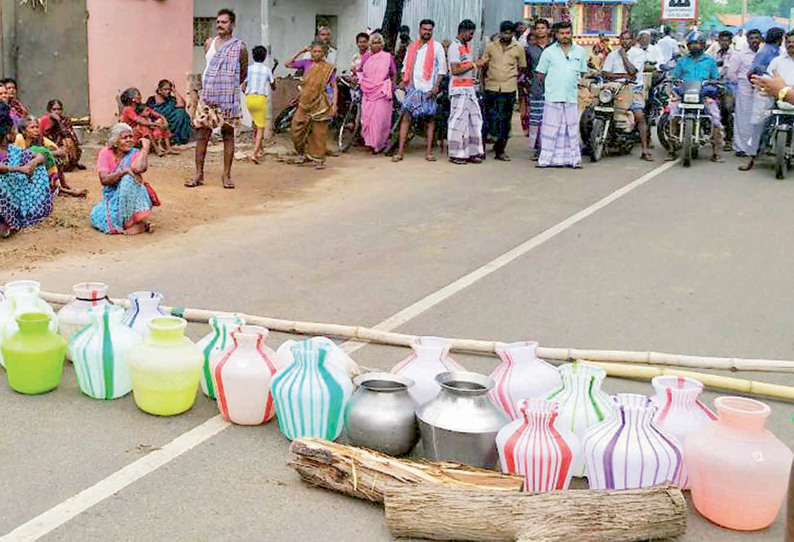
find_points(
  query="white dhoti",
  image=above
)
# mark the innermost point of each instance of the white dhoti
(742, 127)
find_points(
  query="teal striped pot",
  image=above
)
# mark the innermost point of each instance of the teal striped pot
(310, 395)
(99, 352)
(214, 344)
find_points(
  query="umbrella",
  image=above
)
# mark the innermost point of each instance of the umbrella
(763, 24)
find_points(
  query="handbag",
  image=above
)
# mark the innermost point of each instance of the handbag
(152, 194)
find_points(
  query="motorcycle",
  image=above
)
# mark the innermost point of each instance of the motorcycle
(778, 138)
(691, 128)
(608, 125)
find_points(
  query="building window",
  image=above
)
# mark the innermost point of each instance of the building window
(598, 19)
(203, 28)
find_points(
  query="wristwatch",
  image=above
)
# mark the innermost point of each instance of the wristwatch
(783, 93)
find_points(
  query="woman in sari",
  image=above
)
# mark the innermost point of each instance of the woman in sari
(171, 105)
(316, 105)
(29, 137)
(25, 196)
(126, 206)
(57, 127)
(376, 77)
(146, 123)
(18, 110)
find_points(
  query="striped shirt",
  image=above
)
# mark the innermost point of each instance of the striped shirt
(259, 79)
(462, 54)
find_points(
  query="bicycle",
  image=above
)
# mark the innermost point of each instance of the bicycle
(350, 126)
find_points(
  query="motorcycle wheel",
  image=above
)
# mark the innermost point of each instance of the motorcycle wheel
(283, 122)
(597, 140)
(663, 132)
(349, 128)
(686, 147)
(781, 163)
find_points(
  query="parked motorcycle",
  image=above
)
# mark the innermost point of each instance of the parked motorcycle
(691, 128)
(778, 138)
(608, 125)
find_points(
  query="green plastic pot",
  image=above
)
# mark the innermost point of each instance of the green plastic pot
(34, 355)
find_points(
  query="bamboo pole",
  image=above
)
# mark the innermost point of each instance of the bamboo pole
(717, 382)
(365, 334)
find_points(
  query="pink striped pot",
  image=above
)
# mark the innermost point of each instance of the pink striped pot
(537, 447)
(680, 412)
(629, 451)
(521, 375)
(429, 359)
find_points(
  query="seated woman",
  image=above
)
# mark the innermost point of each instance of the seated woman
(145, 122)
(29, 137)
(58, 127)
(126, 201)
(25, 196)
(171, 105)
(316, 105)
(18, 111)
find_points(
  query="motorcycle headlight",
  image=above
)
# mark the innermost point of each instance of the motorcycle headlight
(605, 96)
(691, 98)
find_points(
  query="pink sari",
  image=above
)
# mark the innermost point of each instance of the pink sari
(377, 92)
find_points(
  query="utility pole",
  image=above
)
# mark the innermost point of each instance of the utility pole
(744, 11)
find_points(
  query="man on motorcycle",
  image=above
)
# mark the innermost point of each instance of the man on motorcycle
(630, 61)
(697, 66)
(782, 68)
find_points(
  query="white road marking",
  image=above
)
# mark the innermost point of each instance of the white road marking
(79, 503)
(72, 507)
(430, 301)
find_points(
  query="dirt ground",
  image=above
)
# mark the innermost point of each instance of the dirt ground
(68, 230)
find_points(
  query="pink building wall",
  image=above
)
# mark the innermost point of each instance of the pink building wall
(135, 43)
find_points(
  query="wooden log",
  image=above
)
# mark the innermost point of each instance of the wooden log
(444, 513)
(476, 346)
(366, 474)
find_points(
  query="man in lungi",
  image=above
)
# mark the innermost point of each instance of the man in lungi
(502, 62)
(738, 71)
(465, 121)
(536, 100)
(561, 67)
(425, 63)
(219, 103)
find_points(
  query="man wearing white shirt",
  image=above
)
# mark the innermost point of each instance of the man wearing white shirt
(784, 64)
(629, 61)
(425, 63)
(668, 45)
(323, 35)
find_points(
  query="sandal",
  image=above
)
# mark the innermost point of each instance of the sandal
(717, 159)
(430, 158)
(228, 184)
(396, 158)
(458, 161)
(502, 157)
(194, 182)
(646, 156)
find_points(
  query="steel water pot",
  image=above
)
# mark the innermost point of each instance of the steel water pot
(381, 414)
(461, 423)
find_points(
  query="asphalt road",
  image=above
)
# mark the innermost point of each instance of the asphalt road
(694, 261)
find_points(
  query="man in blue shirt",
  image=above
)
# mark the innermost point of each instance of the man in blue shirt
(697, 66)
(561, 67)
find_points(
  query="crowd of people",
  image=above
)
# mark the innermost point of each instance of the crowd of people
(442, 90)
(35, 155)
